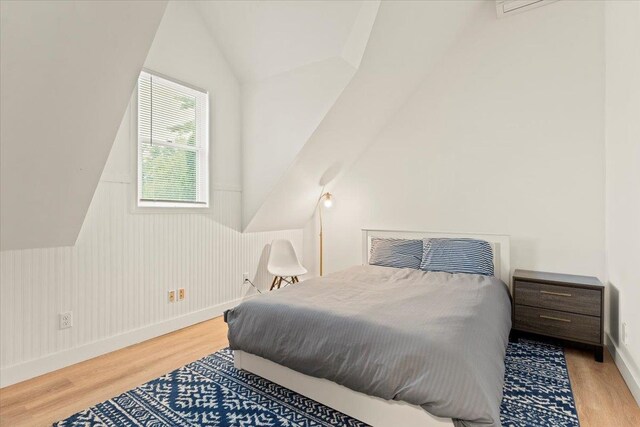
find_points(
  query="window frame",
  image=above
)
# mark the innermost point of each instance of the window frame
(141, 206)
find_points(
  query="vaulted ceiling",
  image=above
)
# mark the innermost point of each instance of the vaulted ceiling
(67, 72)
(294, 59)
(405, 41)
(264, 38)
(319, 80)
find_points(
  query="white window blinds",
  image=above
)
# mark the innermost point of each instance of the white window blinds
(173, 143)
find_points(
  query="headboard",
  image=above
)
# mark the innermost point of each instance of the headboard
(499, 243)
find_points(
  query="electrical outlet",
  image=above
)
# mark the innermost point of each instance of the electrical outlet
(172, 296)
(625, 333)
(245, 277)
(66, 320)
(181, 294)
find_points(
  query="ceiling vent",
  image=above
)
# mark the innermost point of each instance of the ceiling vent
(506, 8)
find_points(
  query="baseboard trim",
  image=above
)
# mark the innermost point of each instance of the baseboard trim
(36, 367)
(623, 366)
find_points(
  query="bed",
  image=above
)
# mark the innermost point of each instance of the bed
(384, 345)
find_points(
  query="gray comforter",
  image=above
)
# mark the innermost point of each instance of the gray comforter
(437, 340)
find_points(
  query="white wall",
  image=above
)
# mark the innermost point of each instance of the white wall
(184, 49)
(505, 136)
(115, 279)
(66, 73)
(623, 183)
(280, 113)
(407, 39)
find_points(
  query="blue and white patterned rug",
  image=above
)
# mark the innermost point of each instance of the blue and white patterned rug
(537, 390)
(211, 392)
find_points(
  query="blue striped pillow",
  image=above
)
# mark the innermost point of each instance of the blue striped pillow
(398, 253)
(457, 256)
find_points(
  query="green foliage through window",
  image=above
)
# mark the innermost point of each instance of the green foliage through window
(170, 154)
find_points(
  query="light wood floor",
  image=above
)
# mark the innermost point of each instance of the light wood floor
(602, 397)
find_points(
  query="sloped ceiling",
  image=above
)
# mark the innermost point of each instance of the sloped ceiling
(264, 38)
(280, 114)
(294, 59)
(67, 72)
(406, 41)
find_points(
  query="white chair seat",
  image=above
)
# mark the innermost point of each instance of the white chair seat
(288, 272)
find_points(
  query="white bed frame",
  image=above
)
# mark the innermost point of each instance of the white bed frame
(369, 409)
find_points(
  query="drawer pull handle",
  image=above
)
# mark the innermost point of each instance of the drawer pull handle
(555, 318)
(559, 294)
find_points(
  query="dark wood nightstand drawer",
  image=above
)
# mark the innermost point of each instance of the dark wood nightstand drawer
(564, 298)
(563, 306)
(558, 324)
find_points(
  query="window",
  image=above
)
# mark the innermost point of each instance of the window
(173, 144)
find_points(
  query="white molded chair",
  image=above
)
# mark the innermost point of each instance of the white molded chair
(283, 263)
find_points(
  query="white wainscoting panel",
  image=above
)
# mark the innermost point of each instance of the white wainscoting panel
(116, 278)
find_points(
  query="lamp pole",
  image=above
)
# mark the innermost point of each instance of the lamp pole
(327, 202)
(320, 212)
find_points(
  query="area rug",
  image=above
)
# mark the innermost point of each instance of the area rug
(211, 392)
(537, 390)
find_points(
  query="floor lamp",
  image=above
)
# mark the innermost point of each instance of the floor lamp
(327, 201)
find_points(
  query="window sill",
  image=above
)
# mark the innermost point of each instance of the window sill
(168, 208)
(172, 205)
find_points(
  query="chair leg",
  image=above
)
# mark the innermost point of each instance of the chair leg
(277, 281)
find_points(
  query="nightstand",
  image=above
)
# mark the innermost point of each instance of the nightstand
(563, 306)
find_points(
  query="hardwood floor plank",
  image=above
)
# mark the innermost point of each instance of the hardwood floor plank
(602, 397)
(56, 395)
